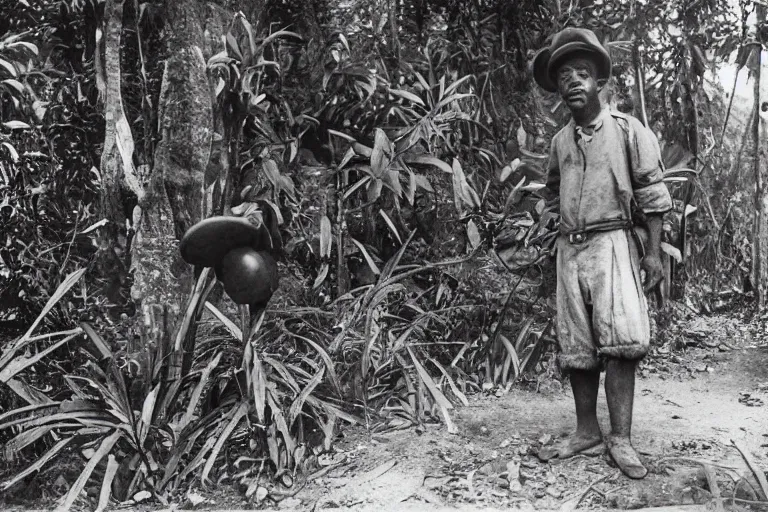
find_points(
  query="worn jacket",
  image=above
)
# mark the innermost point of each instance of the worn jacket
(601, 176)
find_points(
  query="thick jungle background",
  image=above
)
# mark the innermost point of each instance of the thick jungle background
(396, 148)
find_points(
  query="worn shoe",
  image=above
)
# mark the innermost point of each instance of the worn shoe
(626, 457)
(568, 447)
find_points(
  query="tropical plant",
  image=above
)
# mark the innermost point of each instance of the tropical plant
(49, 133)
(145, 434)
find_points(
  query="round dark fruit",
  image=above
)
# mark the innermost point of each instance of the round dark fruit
(249, 277)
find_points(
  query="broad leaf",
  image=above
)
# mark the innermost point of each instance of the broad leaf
(381, 155)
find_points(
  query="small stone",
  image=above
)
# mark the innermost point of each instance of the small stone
(554, 492)
(545, 439)
(261, 493)
(513, 476)
(289, 504)
(504, 443)
(142, 496)
(195, 499)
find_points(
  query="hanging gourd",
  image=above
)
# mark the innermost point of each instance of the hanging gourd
(239, 252)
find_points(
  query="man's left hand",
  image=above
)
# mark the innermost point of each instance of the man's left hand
(654, 272)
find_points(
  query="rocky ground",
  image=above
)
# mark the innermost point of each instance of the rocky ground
(700, 402)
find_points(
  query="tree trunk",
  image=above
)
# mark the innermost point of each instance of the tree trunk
(118, 176)
(174, 195)
(760, 132)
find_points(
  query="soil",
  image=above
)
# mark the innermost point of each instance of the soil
(696, 395)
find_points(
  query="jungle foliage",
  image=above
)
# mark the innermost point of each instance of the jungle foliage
(398, 145)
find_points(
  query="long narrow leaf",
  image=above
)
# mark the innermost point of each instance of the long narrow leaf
(197, 392)
(106, 485)
(407, 95)
(451, 383)
(279, 34)
(438, 395)
(361, 182)
(298, 404)
(284, 373)
(53, 418)
(97, 340)
(189, 314)
(512, 353)
(455, 85)
(394, 261)
(326, 237)
(332, 409)
(367, 256)
(523, 334)
(28, 437)
(147, 411)
(27, 409)
(188, 442)
(257, 381)
(390, 224)
(62, 290)
(429, 160)
(280, 423)
(756, 470)
(452, 98)
(28, 393)
(326, 359)
(196, 460)
(37, 465)
(233, 329)
(452, 429)
(240, 413)
(21, 363)
(372, 333)
(104, 448)
(400, 341)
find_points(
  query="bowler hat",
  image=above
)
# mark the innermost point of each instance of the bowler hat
(564, 43)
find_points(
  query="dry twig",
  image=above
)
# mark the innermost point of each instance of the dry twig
(574, 503)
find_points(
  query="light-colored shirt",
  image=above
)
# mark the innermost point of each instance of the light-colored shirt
(601, 171)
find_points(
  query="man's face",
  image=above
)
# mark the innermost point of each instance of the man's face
(577, 82)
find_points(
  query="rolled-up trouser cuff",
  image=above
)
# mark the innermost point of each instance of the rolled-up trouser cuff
(578, 362)
(629, 352)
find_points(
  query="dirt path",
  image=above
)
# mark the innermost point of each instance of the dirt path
(690, 411)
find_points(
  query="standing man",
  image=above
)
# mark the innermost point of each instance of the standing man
(603, 166)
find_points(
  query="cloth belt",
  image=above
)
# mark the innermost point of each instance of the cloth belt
(581, 236)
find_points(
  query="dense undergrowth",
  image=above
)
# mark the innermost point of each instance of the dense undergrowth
(403, 169)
